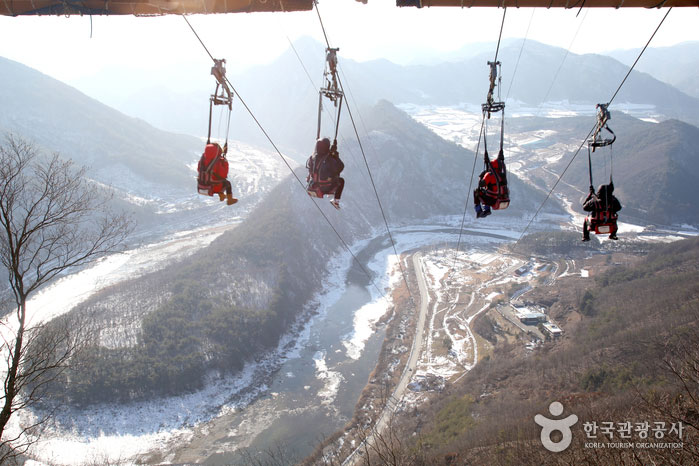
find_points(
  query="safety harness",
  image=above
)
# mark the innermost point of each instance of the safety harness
(205, 181)
(206, 184)
(501, 194)
(331, 91)
(602, 220)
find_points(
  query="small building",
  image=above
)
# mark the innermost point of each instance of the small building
(529, 317)
(552, 330)
(522, 270)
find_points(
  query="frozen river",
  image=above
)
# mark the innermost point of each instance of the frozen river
(290, 399)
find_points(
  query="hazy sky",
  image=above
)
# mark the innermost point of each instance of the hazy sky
(62, 47)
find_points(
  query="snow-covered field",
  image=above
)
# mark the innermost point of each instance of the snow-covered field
(458, 296)
(461, 124)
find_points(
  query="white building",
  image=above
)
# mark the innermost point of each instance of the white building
(529, 317)
(552, 330)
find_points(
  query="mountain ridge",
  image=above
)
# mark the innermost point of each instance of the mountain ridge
(269, 266)
(676, 65)
(151, 172)
(288, 108)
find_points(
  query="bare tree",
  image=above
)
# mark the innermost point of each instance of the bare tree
(386, 446)
(51, 220)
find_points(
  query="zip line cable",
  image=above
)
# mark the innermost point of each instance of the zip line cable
(475, 155)
(468, 193)
(366, 163)
(298, 57)
(560, 177)
(521, 49)
(502, 25)
(378, 199)
(355, 129)
(200, 41)
(259, 125)
(592, 130)
(555, 76)
(361, 120)
(320, 20)
(639, 56)
(313, 85)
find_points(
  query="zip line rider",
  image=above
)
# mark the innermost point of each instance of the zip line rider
(213, 165)
(324, 168)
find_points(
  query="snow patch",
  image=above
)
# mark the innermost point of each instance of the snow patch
(331, 379)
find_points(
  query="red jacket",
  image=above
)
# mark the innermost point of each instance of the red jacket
(220, 168)
(219, 171)
(489, 184)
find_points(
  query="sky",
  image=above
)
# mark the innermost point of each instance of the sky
(79, 47)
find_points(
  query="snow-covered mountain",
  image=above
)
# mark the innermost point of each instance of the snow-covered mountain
(652, 163)
(241, 293)
(677, 65)
(288, 107)
(152, 172)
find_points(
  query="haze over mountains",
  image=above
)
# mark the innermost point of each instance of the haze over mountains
(152, 172)
(677, 65)
(582, 79)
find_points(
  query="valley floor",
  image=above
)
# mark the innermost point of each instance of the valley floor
(458, 289)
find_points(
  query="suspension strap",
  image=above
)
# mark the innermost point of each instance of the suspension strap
(486, 159)
(589, 163)
(320, 111)
(211, 106)
(331, 89)
(611, 163)
(224, 97)
(228, 127)
(337, 121)
(502, 129)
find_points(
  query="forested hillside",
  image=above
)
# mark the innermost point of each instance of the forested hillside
(231, 301)
(223, 306)
(62, 119)
(628, 354)
(654, 169)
